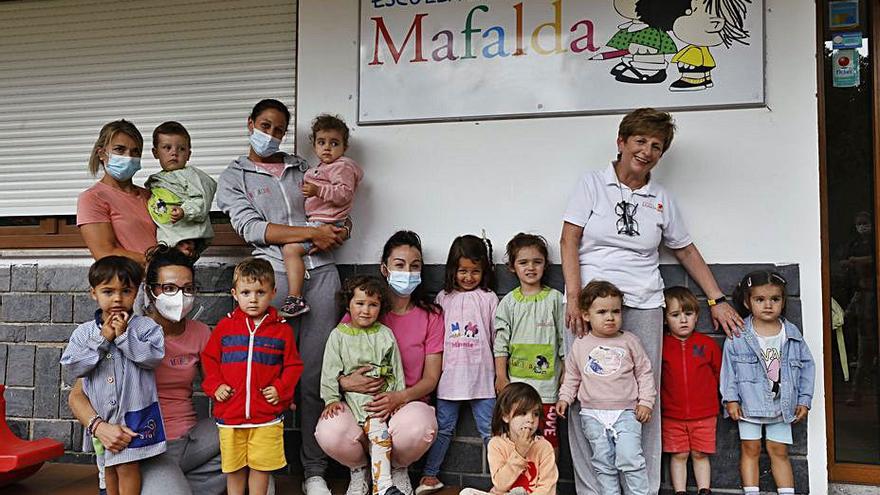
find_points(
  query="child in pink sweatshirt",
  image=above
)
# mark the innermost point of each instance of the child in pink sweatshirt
(329, 191)
(611, 374)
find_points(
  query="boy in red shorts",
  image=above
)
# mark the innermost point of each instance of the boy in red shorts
(688, 391)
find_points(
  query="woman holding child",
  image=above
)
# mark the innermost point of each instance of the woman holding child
(417, 325)
(262, 194)
(112, 214)
(615, 222)
(192, 461)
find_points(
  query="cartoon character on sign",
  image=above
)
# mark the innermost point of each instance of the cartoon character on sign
(642, 42)
(706, 23)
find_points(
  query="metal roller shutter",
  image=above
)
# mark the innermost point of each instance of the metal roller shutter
(66, 68)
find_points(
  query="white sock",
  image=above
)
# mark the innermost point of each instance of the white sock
(750, 489)
(785, 491)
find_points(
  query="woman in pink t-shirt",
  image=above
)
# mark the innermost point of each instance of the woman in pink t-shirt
(192, 462)
(112, 215)
(417, 324)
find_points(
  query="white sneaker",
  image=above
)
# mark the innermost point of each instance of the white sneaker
(315, 485)
(359, 485)
(400, 478)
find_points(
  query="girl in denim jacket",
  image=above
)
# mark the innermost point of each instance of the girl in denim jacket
(767, 376)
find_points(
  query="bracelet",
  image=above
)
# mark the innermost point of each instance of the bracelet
(93, 423)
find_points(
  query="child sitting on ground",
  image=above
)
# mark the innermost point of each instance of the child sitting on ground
(181, 199)
(610, 373)
(329, 191)
(520, 461)
(115, 355)
(364, 342)
(688, 391)
(251, 367)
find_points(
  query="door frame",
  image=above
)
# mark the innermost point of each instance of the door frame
(838, 471)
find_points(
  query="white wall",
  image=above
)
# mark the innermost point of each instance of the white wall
(747, 180)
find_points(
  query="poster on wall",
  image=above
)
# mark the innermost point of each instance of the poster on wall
(433, 60)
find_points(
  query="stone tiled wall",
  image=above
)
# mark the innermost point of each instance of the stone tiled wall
(41, 305)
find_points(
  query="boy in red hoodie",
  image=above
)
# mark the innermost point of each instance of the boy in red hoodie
(688, 391)
(251, 367)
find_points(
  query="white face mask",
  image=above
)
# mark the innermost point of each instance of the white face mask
(404, 283)
(174, 308)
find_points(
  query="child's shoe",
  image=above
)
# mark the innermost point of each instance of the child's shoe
(358, 484)
(704, 491)
(400, 478)
(315, 485)
(293, 306)
(392, 490)
(428, 484)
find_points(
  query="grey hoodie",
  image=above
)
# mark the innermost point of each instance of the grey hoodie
(253, 199)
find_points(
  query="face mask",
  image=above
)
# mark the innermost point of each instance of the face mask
(404, 283)
(863, 228)
(122, 167)
(264, 144)
(174, 308)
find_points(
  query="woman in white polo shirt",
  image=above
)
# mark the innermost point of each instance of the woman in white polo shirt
(615, 222)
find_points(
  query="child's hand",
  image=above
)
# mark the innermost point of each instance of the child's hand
(223, 392)
(118, 322)
(501, 381)
(309, 189)
(561, 408)
(176, 214)
(643, 414)
(271, 395)
(735, 412)
(523, 439)
(800, 413)
(331, 410)
(107, 330)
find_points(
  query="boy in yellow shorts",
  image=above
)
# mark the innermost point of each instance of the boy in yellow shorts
(251, 367)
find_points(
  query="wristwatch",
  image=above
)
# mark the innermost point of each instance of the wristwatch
(713, 302)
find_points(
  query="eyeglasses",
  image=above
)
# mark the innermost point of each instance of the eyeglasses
(173, 289)
(627, 224)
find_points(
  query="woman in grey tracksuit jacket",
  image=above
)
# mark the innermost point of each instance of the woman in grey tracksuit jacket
(266, 207)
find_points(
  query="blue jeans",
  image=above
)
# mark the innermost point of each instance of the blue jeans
(617, 450)
(447, 418)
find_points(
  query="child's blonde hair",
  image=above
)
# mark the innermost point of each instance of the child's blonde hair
(687, 301)
(254, 269)
(106, 135)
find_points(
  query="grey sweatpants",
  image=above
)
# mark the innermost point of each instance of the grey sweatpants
(647, 325)
(311, 331)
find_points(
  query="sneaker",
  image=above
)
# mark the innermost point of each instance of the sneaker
(400, 478)
(428, 484)
(293, 306)
(358, 484)
(315, 485)
(393, 490)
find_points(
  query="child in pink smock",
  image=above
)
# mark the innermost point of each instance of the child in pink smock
(468, 371)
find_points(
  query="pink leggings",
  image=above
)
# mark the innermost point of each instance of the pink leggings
(413, 428)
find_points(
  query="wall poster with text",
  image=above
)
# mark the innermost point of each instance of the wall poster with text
(428, 60)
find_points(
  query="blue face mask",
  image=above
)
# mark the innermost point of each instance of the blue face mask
(264, 144)
(122, 168)
(404, 283)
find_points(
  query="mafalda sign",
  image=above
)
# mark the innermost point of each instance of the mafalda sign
(468, 59)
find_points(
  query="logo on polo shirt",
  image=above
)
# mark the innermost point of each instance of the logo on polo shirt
(654, 206)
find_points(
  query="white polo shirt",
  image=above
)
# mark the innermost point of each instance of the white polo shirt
(632, 263)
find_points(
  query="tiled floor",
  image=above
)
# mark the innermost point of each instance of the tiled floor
(78, 479)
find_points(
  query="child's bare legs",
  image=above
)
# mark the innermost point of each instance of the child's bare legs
(678, 465)
(123, 479)
(750, 450)
(780, 465)
(258, 482)
(237, 481)
(295, 267)
(702, 470)
(294, 304)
